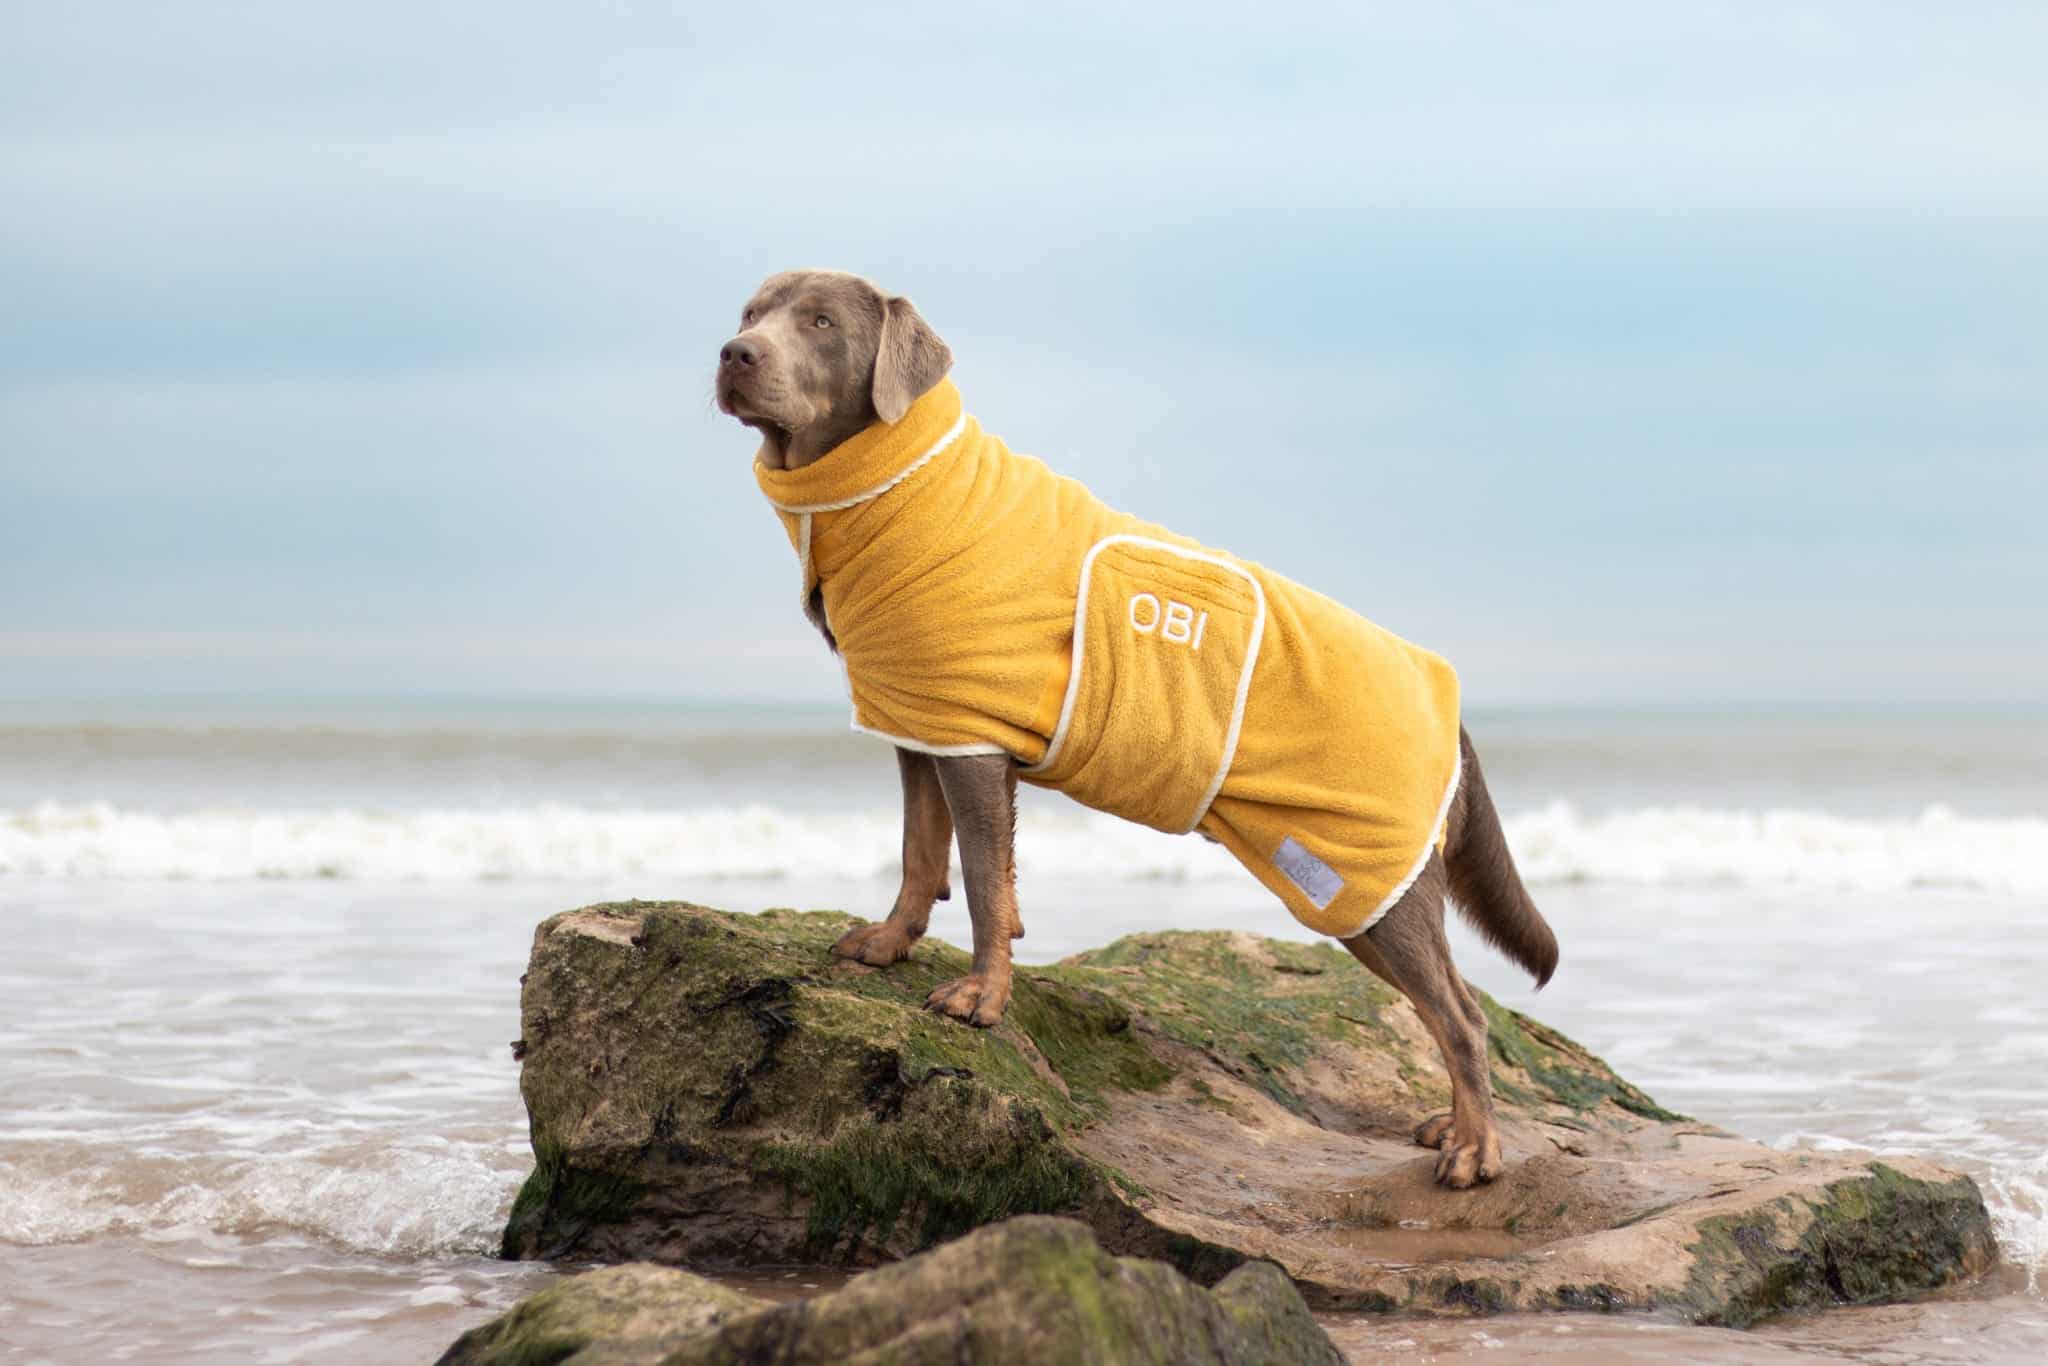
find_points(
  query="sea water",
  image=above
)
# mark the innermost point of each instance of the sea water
(261, 963)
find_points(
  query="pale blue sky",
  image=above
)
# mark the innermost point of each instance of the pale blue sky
(1622, 352)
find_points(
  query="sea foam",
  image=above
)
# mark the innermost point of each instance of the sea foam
(1659, 846)
(395, 1200)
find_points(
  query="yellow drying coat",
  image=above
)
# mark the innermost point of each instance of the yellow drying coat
(984, 604)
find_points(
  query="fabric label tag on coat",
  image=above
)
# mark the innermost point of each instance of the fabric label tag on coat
(1318, 880)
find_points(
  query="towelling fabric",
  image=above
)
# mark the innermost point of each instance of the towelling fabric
(984, 604)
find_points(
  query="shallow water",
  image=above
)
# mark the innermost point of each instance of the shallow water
(280, 1121)
(267, 1112)
(1994, 1322)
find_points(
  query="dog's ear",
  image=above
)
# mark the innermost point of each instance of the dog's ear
(909, 360)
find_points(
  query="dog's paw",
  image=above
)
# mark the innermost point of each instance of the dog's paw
(876, 945)
(1467, 1164)
(973, 998)
(1435, 1131)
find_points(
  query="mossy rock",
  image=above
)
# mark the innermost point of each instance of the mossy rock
(634, 1302)
(1029, 1289)
(711, 1088)
(671, 1048)
(1862, 1240)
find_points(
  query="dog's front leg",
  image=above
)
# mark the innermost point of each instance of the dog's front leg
(981, 789)
(927, 858)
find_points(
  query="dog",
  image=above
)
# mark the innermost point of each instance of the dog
(902, 511)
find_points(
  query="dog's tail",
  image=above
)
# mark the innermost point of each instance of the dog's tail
(1484, 882)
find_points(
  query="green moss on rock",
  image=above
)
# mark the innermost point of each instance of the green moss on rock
(613, 1306)
(1871, 1239)
(561, 1202)
(866, 1182)
(1558, 1070)
(662, 1040)
(1027, 1290)
(1262, 1007)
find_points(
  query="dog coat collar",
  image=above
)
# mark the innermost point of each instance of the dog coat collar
(872, 461)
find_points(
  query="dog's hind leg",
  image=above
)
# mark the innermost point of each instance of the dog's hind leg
(1408, 948)
(927, 856)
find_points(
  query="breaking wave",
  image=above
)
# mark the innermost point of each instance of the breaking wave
(1665, 846)
(399, 1201)
(1681, 846)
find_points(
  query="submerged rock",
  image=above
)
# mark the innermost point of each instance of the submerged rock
(1027, 1289)
(708, 1087)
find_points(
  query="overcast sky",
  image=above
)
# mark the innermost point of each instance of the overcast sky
(1621, 352)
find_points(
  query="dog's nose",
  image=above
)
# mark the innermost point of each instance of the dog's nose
(739, 351)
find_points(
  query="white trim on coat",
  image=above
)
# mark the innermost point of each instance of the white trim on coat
(803, 555)
(938, 751)
(903, 741)
(952, 435)
(1244, 681)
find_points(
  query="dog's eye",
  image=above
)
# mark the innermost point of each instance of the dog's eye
(747, 316)
(821, 321)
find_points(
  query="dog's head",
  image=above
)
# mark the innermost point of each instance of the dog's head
(820, 355)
